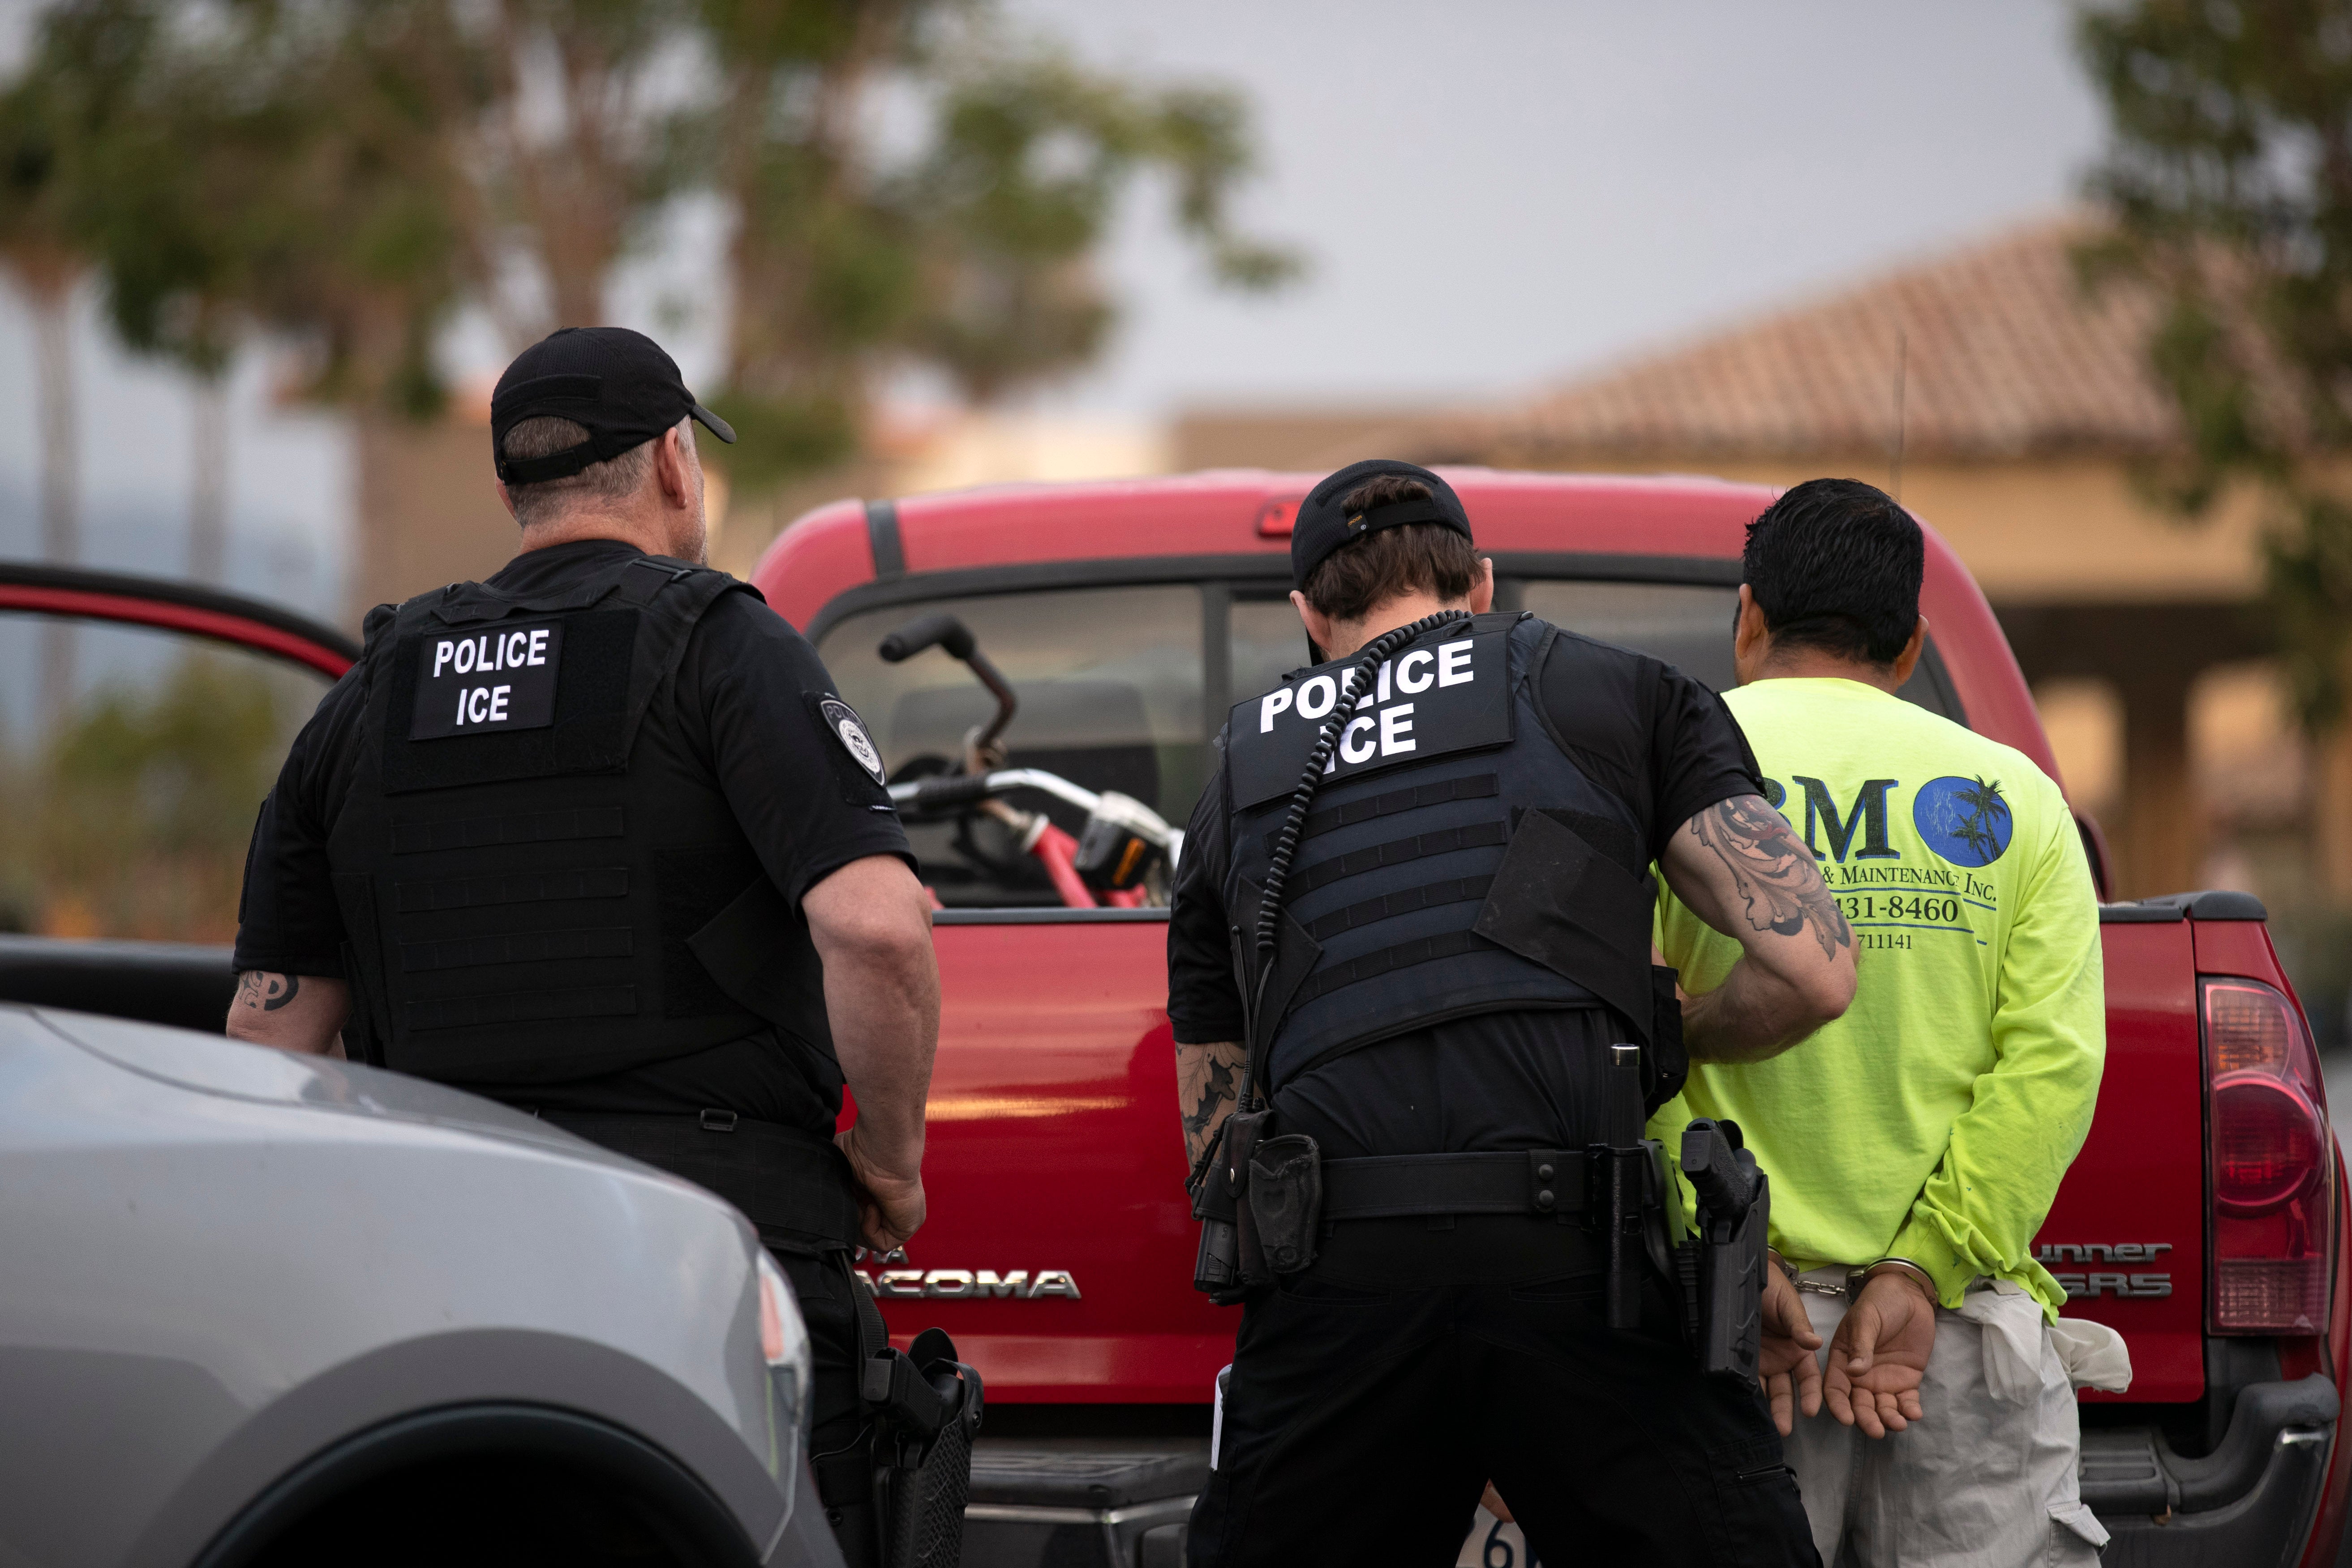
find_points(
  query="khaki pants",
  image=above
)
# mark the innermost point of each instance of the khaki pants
(1985, 1481)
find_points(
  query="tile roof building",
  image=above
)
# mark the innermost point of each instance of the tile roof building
(1995, 353)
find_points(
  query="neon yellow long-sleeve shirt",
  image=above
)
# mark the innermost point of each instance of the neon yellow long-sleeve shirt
(1936, 1119)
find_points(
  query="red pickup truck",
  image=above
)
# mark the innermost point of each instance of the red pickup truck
(2204, 1218)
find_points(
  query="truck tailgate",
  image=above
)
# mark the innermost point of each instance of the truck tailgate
(2127, 1237)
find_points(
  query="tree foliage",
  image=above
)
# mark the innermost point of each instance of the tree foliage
(134, 819)
(351, 172)
(2228, 175)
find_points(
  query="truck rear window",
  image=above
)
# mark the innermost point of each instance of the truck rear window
(1119, 691)
(1688, 624)
(1110, 686)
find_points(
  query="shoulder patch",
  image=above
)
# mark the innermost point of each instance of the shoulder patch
(842, 719)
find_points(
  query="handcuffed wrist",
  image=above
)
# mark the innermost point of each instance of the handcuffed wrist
(1907, 1269)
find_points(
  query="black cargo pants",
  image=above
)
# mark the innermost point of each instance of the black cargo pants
(1373, 1397)
(841, 1432)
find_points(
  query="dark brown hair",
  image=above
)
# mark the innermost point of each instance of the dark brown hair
(1390, 562)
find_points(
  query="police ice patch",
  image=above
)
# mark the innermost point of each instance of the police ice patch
(1435, 698)
(476, 683)
(842, 719)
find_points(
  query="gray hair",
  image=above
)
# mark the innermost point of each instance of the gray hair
(614, 479)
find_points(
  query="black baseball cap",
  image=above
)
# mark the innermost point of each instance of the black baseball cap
(1322, 527)
(615, 383)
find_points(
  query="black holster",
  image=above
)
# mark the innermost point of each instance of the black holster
(1721, 1268)
(927, 1409)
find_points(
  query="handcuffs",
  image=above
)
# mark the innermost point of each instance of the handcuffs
(1855, 1279)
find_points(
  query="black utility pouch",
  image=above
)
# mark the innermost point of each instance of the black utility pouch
(1285, 1200)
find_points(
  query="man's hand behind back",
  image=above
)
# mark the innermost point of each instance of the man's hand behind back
(1788, 1369)
(1879, 1354)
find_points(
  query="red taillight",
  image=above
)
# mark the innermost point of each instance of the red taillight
(2267, 1132)
(2265, 1143)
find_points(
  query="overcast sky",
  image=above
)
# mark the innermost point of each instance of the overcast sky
(1495, 193)
(1492, 194)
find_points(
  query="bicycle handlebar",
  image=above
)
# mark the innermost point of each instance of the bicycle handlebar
(965, 789)
(941, 630)
(948, 633)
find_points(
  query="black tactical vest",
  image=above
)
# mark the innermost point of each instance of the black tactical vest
(1455, 861)
(539, 881)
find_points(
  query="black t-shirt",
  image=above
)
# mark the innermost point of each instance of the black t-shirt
(1660, 742)
(737, 701)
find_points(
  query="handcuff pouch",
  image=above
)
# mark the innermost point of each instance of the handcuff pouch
(1283, 1200)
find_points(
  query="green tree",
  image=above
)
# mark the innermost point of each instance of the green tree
(349, 171)
(974, 255)
(270, 169)
(51, 119)
(143, 804)
(2228, 175)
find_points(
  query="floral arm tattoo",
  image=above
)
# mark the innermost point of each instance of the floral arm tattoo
(1208, 1085)
(264, 991)
(1774, 873)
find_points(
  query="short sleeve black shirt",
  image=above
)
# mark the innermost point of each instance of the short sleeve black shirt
(1663, 743)
(738, 700)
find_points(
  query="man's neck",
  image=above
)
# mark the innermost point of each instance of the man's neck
(1387, 618)
(573, 528)
(1814, 664)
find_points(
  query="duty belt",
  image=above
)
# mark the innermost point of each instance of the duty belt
(1530, 1182)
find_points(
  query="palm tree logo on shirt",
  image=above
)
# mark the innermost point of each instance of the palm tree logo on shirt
(1965, 820)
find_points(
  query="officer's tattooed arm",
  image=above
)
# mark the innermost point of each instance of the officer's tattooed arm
(302, 1012)
(1738, 867)
(1208, 1085)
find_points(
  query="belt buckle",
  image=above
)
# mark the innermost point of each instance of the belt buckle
(718, 1120)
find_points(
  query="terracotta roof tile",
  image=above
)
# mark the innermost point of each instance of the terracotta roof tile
(2006, 356)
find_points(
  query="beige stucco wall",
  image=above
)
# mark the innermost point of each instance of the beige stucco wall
(2071, 530)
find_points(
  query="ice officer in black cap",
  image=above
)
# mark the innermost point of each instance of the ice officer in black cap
(598, 838)
(1430, 990)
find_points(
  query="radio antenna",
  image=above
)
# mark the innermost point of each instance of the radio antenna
(1901, 375)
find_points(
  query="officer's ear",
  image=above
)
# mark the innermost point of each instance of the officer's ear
(674, 468)
(1317, 624)
(1482, 592)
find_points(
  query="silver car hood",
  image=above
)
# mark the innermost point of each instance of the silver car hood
(214, 1064)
